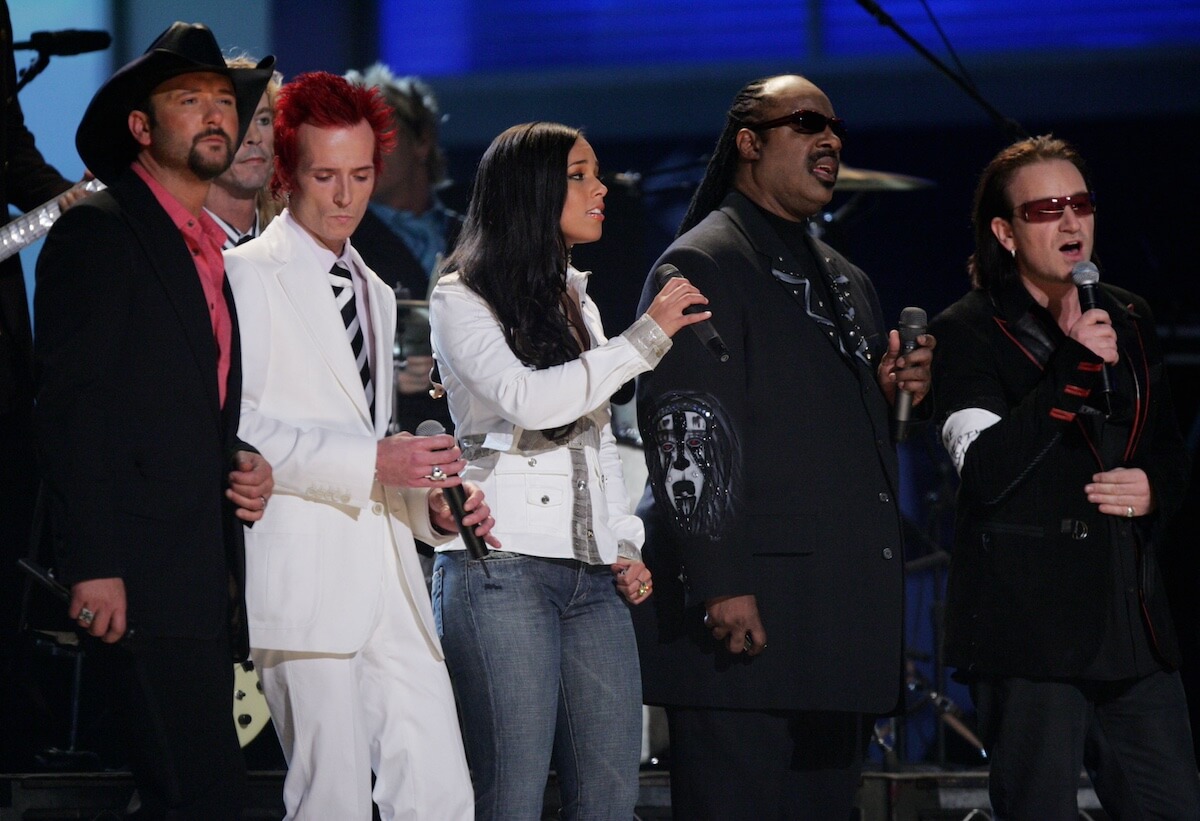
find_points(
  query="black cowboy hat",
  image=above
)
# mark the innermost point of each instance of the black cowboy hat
(103, 139)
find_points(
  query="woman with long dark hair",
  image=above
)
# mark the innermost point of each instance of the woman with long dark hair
(538, 641)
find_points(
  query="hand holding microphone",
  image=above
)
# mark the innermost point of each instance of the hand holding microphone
(913, 324)
(1096, 334)
(456, 498)
(694, 314)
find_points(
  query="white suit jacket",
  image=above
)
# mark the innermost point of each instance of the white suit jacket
(314, 562)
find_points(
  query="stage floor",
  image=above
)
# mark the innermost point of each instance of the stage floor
(925, 795)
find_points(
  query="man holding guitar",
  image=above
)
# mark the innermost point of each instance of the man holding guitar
(26, 179)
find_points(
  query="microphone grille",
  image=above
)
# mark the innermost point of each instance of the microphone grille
(664, 272)
(1085, 273)
(430, 427)
(914, 318)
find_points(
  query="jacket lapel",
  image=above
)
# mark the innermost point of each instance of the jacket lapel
(382, 308)
(785, 268)
(305, 284)
(175, 269)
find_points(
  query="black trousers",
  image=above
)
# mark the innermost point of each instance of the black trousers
(1132, 736)
(185, 756)
(742, 764)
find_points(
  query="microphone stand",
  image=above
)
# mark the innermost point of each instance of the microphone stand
(1011, 127)
(34, 69)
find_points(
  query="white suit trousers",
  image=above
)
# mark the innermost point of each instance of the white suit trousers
(387, 709)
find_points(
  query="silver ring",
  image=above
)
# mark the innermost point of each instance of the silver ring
(264, 501)
(86, 617)
(1129, 512)
(437, 474)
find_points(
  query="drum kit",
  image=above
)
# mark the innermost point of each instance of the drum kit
(862, 180)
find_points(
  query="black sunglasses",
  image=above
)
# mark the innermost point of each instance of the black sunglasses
(805, 121)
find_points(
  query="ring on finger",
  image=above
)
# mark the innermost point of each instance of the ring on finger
(437, 474)
(86, 617)
(643, 588)
(1129, 512)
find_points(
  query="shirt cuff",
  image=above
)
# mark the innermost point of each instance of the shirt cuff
(961, 429)
(648, 339)
(628, 550)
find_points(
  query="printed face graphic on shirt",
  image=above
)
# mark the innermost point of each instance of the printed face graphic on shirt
(683, 447)
(692, 467)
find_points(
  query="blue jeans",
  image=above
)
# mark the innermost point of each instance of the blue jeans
(545, 667)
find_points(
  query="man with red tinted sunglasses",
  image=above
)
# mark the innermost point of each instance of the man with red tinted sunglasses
(1057, 613)
(774, 639)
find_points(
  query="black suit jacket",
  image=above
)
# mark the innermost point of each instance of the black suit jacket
(1032, 580)
(812, 526)
(135, 445)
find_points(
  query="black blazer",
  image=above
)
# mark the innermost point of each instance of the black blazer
(812, 529)
(135, 445)
(1031, 580)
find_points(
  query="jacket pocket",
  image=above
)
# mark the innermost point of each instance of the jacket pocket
(282, 570)
(533, 495)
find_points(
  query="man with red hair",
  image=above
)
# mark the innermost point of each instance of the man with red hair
(341, 628)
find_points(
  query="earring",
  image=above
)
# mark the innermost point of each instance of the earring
(1013, 251)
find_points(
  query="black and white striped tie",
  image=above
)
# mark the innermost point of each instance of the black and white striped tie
(343, 295)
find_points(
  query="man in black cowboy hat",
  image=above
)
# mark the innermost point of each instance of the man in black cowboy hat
(138, 397)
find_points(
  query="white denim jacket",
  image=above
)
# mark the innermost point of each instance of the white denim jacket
(549, 499)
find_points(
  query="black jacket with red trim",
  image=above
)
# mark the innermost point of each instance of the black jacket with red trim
(1032, 578)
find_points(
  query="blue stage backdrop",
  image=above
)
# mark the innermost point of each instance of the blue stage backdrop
(455, 37)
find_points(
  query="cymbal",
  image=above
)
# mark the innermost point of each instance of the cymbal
(861, 179)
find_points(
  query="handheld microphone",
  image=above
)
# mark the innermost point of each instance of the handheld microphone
(706, 333)
(1086, 277)
(913, 323)
(67, 42)
(456, 497)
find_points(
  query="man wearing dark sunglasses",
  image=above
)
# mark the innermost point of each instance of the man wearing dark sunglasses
(775, 639)
(1057, 613)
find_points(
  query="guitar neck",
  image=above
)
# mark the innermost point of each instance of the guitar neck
(29, 228)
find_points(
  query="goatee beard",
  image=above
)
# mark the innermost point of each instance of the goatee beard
(207, 167)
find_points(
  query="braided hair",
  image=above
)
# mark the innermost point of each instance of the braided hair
(718, 176)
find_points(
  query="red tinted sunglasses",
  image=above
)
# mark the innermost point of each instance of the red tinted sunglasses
(805, 121)
(1051, 209)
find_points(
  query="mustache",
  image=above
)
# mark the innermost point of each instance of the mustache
(248, 153)
(822, 153)
(214, 132)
